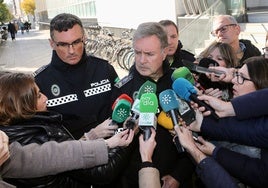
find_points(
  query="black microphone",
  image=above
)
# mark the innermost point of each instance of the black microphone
(186, 112)
(196, 68)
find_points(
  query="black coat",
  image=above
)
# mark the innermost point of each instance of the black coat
(181, 54)
(47, 126)
(166, 158)
(11, 28)
(249, 51)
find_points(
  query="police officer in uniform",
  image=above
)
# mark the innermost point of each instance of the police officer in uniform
(150, 45)
(77, 85)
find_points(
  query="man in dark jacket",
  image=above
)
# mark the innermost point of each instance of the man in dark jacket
(77, 85)
(175, 53)
(150, 47)
(227, 30)
(12, 30)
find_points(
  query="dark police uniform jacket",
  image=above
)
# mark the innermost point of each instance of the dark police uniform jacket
(81, 92)
(166, 157)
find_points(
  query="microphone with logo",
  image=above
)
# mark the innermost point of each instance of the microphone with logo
(148, 109)
(121, 110)
(186, 112)
(146, 87)
(168, 102)
(184, 72)
(185, 90)
(122, 96)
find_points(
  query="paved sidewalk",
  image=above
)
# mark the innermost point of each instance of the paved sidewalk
(29, 52)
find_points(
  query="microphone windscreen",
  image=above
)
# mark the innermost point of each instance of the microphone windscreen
(165, 120)
(148, 103)
(136, 106)
(168, 100)
(183, 72)
(147, 87)
(121, 111)
(148, 109)
(122, 96)
(183, 88)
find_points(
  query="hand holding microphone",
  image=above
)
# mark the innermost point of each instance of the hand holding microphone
(199, 69)
(227, 77)
(103, 130)
(187, 138)
(147, 147)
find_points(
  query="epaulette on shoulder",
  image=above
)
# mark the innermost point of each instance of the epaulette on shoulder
(123, 81)
(41, 69)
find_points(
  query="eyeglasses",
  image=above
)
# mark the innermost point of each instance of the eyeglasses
(240, 78)
(65, 45)
(223, 29)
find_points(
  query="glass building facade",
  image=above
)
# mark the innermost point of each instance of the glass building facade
(81, 8)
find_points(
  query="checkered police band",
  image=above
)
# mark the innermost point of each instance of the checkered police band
(73, 97)
(97, 90)
(62, 100)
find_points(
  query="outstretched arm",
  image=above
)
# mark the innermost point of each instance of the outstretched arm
(247, 106)
(148, 175)
(50, 158)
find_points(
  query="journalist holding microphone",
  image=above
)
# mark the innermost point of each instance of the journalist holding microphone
(247, 126)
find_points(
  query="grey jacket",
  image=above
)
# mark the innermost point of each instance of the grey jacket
(50, 158)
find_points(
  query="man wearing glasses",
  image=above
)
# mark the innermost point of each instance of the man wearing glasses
(226, 30)
(77, 85)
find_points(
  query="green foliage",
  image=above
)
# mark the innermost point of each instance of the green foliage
(5, 15)
(28, 6)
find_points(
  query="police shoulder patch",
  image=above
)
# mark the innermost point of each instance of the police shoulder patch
(123, 81)
(41, 69)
